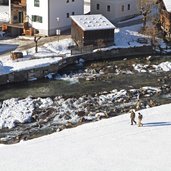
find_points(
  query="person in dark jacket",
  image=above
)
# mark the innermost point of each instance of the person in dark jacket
(132, 116)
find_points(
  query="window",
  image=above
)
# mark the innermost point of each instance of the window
(73, 0)
(108, 8)
(98, 6)
(122, 8)
(36, 18)
(129, 6)
(36, 3)
(73, 13)
(67, 1)
(67, 15)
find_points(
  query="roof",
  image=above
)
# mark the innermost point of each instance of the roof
(92, 22)
(167, 4)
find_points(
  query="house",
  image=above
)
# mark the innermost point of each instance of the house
(115, 10)
(41, 16)
(47, 16)
(92, 30)
(17, 11)
(165, 16)
(17, 14)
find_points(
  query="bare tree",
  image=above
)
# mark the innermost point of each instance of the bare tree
(145, 10)
(36, 39)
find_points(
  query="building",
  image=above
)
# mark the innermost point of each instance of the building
(41, 16)
(17, 11)
(47, 16)
(16, 15)
(115, 10)
(92, 30)
(165, 16)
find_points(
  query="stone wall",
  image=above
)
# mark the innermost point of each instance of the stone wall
(26, 75)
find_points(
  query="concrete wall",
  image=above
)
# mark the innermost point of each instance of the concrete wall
(27, 75)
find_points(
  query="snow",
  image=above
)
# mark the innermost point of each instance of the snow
(47, 54)
(110, 144)
(20, 111)
(162, 67)
(92, 22)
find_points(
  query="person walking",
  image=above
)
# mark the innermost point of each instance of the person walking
(140, 117)
(132, 116)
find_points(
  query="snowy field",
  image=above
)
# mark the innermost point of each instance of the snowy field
(110, 144)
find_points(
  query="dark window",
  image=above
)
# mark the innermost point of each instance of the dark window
(67, 1)
(73, 13)
(36, 3)
(108, 8)
(122, 8)
(98, 6)
(129, 6)
(67, 15)
(72, 0)
(36, 18)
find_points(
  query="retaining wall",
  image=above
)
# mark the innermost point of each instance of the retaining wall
(26, 75)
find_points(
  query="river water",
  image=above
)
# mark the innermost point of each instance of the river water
(109, 79)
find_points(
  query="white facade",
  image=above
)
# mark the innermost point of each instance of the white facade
(115, 10)
(43, 16)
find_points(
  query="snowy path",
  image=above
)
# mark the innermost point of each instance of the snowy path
(107, 145)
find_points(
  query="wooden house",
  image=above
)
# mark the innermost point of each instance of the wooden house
(165, 16)
(92, 30)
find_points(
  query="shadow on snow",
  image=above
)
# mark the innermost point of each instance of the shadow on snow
(151, 124)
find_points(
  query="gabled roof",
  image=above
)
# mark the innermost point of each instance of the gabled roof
(167, 4)
(92, 22)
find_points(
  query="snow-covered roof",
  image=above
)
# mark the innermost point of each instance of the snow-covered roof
(167, 4)
(92, 22)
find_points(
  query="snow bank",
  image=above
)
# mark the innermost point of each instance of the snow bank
(15, 111)
(162, 67)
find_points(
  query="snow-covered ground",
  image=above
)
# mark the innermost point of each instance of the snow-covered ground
(110, 144)
(47, 54)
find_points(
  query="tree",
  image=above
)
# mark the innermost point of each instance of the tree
(36, 39)
(145, 10)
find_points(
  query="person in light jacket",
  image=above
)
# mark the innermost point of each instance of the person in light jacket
(140, 117)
